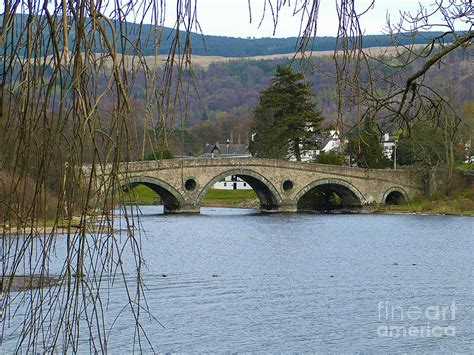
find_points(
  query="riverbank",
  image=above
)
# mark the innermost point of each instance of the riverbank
(459, 204)
(42, 227)
(26, 282)
(51, 227)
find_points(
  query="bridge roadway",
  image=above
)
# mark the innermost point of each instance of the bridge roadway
(280, 185)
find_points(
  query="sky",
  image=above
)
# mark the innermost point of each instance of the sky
(231, 17)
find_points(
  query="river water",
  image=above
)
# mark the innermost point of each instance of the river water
(237, 280)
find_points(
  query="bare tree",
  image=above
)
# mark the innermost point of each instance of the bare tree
(401, 97)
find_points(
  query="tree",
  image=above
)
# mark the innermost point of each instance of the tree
(365, 149)
(159, 154)
(398, 94)
(286, 118)
(425, 146)
(205, 116)
(330, 158)
(468, 126)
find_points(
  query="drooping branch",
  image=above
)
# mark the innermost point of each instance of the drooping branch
(410, 83)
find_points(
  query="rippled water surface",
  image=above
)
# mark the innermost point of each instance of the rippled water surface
(237, 280)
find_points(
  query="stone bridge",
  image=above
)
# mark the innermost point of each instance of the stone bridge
(281, 186)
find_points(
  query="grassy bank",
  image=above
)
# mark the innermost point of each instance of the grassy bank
(231, 198)
(142, 195)
(460, 203)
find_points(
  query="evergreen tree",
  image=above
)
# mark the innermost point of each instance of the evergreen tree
(330, 158)
(286, 119)
(366, 149)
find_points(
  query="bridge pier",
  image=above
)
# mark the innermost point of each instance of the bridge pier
(287, 208)
(186, 208)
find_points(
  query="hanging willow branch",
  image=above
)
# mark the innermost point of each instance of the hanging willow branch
(69, 77)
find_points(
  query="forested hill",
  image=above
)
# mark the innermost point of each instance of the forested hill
(139, 36)
(247, 47)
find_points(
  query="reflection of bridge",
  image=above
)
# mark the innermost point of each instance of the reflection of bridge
(280, 185)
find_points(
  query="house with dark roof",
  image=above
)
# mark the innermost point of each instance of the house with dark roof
(228, 150)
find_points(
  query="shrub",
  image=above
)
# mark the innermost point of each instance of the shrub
(330, 158)
(21, 199)
(159, 154)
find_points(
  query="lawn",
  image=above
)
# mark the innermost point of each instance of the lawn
(232, 198)
(142, 194)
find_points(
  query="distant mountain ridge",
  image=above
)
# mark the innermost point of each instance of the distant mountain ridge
(204, 45)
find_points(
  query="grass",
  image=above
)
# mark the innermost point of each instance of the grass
(466, 168)
(142, 195)
(231, 198)
(219, 198)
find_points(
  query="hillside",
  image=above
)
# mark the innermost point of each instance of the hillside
(203, 61)
(222, 90)
(140, 40)
(228, 91)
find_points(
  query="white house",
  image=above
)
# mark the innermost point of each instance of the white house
(332, 143)
(389, 144)
(228, 150)
(328, 142)
(232, 182)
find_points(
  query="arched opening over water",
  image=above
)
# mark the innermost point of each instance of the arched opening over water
(328, 195)
(170, 198)
(395, 196)
(239, 183)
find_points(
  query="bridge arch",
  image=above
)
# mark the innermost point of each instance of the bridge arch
(394, 196)
(347, 194)
(171, 198)
(269, 197)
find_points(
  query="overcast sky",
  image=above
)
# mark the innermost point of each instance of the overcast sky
(231, 17)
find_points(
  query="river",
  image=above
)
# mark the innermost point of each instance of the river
(237, 280)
